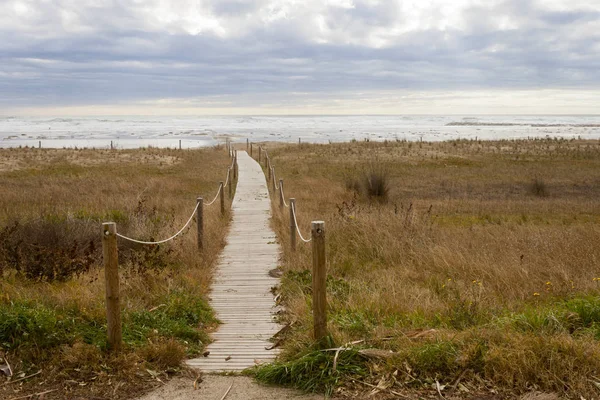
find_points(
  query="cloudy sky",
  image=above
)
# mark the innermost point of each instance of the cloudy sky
(299, 56)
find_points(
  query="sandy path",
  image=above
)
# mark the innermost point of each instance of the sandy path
(213, 387)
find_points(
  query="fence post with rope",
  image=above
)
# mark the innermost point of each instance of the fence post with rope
(281, 193)
(273, 182)
(319, 281)
(222, 197)
(200, 222)
(229, 179)
(292, 224)
(111, 274)
(235, 167)
(269, 170)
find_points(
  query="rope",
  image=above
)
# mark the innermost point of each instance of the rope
(166, 240)
(189, 220)
(227, 180)
(283, 194)
(215, 199)
(297, 229)
(275, 180)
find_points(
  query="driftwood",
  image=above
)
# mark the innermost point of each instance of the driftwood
(377, 354)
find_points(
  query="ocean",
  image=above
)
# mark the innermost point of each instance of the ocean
(143, 131)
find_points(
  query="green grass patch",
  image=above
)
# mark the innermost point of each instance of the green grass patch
(33, 326)
(313, 371)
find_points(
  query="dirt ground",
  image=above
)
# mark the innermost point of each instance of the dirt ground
(214, 387)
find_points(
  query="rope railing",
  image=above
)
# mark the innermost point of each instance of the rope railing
(110, 253)
(216, 196)
(297, 228)
(184, 226)
(227, 180)
(283, 197)
(165, 240)
(279, 187)
(317, 244)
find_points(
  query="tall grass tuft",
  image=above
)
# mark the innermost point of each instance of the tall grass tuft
(373, 183)
(538, 188)
(377, 184)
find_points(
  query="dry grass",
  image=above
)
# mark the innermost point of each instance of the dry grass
(58, 326)
(504, 270)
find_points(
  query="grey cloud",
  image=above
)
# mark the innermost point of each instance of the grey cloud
(121, 58)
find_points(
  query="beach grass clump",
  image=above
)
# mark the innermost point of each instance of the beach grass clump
(538, 188)
(316, 370)
(373, 183)
(463, 269)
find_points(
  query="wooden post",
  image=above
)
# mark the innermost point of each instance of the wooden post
(111, 274)
(319, 278)
(179, 144)
(268, 173)
(299, 141)
(251, 146)
(235, 167)
(200, 221)
(40, 144)
(111, 145)
(259, 153)
(222, 189)
(281, 193)
(229, 182)
(292, 224)
(247, 144)
(273, 178)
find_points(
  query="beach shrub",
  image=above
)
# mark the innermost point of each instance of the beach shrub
(48, 249)
(376, 183)
(373, 183)
(538, 188)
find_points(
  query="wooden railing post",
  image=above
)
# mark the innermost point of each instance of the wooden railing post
(247, 144)
(200, 221)
(222, 189)
(235, 167)
(319, 279)
(268, 172)
(259, 153)
(281, 193)
(179, 144)
(251, 146)
(273, 178)
(229, 182)
(292, 224)
(111, 274)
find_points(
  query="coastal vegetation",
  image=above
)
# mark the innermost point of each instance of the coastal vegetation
(52, 294)
(459, 268)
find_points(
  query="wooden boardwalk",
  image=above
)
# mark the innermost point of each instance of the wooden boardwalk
(241, 292)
